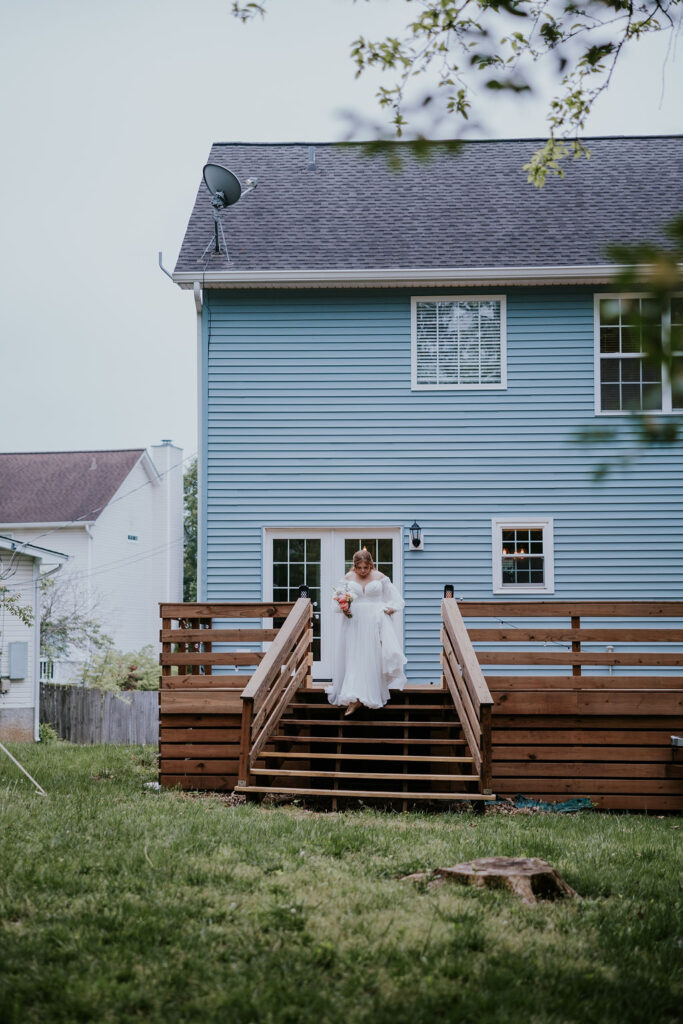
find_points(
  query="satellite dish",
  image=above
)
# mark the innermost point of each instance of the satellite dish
(222, 184)
(225, 191)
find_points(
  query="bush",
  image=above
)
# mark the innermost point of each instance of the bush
(46, 734)
(115, 670)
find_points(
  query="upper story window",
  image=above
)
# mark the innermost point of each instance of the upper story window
(628, 378)
(523, 553)
(458, 343)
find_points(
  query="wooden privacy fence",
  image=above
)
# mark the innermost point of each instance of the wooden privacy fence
(83, 714)
(587, 708)
(463, 677)
(215, 653)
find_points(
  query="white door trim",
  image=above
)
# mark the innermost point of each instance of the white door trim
(331, 568)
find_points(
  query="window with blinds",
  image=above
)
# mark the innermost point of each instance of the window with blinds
(458, 343)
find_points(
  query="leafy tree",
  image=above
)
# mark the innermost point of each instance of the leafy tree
(115, 670)
(11, 603)
(67, 620)
(190, 524)
(505, 45)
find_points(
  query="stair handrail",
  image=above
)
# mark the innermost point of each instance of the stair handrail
(465, 680)
(282, 671)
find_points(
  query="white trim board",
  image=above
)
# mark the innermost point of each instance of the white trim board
(392, 277)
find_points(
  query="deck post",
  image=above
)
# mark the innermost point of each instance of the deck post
(245, 741)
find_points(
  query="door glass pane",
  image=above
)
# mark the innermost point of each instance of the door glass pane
(296, 561)
(381, 549)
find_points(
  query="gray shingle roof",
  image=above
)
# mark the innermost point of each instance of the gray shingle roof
(469, 208)
(58, 487)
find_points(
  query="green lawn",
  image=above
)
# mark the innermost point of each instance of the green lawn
(121, 904)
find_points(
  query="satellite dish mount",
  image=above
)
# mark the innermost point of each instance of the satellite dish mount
(225, 191)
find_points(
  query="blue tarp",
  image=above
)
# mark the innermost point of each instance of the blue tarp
(579, 803)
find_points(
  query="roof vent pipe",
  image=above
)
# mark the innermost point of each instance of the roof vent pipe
(311, 158)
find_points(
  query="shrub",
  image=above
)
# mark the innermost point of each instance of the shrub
(115, 670)
(46, 734)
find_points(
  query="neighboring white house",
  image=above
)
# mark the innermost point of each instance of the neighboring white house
(119, 517)
(21, 566)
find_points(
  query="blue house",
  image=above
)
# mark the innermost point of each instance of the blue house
(382, 347)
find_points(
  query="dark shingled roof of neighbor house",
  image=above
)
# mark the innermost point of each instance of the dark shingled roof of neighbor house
(59, 487)
(469, 208)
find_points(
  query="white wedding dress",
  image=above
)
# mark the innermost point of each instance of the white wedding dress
(369, 660)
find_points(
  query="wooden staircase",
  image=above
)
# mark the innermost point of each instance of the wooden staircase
(411, 751)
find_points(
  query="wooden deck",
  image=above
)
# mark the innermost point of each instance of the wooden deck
(563, 725)
(527, 706)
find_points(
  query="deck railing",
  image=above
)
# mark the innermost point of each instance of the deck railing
(208, 655)
(587, 696)
(285, 667)
(465, 680)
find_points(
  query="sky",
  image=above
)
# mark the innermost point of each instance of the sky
(107, 114)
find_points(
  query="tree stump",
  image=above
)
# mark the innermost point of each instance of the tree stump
(526, 877)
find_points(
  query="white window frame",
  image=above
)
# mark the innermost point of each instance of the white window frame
(500, 523)
(502, 386)
(667, 403)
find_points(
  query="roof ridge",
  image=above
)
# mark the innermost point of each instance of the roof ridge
(79, 451)
(464, 142)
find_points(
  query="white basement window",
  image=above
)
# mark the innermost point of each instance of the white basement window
(626, 379)
(458, 343)
(523, 556)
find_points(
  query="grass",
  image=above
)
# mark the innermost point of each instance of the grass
(121, 904)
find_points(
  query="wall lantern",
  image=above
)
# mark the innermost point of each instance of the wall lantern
(416, 539)
(449, 590)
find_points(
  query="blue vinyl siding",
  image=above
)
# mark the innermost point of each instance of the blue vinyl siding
(309, 419)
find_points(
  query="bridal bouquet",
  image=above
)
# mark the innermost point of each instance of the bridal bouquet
(343, 598)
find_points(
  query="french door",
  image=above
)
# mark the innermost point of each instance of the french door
(318, 559)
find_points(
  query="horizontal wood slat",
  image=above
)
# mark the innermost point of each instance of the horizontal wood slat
(203, 766)
(636, 635)
(577, 770)
(212, 658)
(578, 658)
(176, 702)
(230, 681)
(633, 738)
(589, 702)
(536, 753)
(568, 609)
(528, 682)
(217, 636)
(227, 610)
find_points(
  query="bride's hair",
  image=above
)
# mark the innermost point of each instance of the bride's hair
(363, 556)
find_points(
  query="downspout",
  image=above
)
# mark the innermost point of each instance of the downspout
(199, 305)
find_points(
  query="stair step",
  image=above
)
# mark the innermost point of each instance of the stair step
(366, 794)
(372, 740)
(415, 777)
(381, 722)
(388, 707)
(423, 759)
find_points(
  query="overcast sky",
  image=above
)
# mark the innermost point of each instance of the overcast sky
(108, 113)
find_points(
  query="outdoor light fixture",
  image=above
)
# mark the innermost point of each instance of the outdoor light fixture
(449, 590)
(416, 542)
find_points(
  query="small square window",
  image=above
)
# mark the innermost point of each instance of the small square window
(523, 556)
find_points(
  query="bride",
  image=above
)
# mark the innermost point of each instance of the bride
(369, 660)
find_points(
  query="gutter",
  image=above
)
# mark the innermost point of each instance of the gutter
(393, 278)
